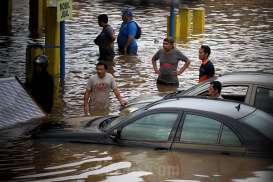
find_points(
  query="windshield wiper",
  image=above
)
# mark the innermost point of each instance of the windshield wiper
(172, 95)
(103, 125)
(106, 122)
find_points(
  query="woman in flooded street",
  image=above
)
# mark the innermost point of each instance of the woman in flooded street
(169, 57)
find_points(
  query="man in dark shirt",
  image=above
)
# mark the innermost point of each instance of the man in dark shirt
(206, 70)
(105, 40)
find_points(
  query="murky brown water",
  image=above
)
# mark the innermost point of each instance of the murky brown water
(83, 162)
(240, 34)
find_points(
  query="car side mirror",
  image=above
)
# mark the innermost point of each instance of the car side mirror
(114, 134)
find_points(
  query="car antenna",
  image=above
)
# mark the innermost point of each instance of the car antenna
(238, 107)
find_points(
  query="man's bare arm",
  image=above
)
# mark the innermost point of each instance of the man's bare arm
(87, 95)
(155, 66)
(117, 94)
(129, 40)
(113, 36)
(184, 67)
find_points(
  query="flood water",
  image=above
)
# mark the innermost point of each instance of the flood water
(240, 34)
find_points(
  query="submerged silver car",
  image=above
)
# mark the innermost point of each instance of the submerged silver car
(188, 123)
(254, 88)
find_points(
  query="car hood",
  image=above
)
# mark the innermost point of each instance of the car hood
(147, 98)
(144, 100)
(141, 101)
(77, 129)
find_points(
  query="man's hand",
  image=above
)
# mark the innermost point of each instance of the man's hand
(86, 110)
(184, 67)
(86, 103)
(176, 73)
(157, 72)
(123, 103)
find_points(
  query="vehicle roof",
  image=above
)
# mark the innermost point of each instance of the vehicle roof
(218, 106)
(259, 78)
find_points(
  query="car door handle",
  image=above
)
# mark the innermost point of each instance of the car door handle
(225, 153)
(161, 148)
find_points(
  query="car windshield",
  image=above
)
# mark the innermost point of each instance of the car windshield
(132, 108)
(261, 121)
(191, 90)
(114, 121)
(173, 94)
(187, 91)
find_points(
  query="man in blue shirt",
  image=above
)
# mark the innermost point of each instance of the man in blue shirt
(126, 37)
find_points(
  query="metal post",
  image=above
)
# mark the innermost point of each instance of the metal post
(36, 17)
(198, 20)
(62, 49)
(5, 16)
(172, 15)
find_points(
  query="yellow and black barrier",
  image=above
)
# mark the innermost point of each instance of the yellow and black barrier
(52, 35)
(185, 20)
(198, 26)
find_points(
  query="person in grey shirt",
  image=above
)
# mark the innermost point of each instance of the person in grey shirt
(105, 40)
(97, 94)
(169, 57)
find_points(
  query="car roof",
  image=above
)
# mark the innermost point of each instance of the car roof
(219, 106)
(259, 78)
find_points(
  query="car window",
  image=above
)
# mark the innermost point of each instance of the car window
(264, 99)
(196, 90)
(154, 127)
(237, 93)
(122, 118)
(229, 138)
(231, 92)
(261, 121)
(199, 129)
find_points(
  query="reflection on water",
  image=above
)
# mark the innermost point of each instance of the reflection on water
(240, 35)
(110, 163)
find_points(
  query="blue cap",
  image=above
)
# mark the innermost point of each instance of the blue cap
(127, 12)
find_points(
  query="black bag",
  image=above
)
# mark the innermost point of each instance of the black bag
(138, 33)
(97, 40)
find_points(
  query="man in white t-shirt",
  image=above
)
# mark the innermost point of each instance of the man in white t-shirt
(97, 94)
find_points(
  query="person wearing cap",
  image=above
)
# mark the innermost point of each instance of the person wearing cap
(169, 57)
(126, 37)
(206, 70)
(42, 84)
(105, 40)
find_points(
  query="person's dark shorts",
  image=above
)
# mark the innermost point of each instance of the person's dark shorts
(167, 84)
(106, 54)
